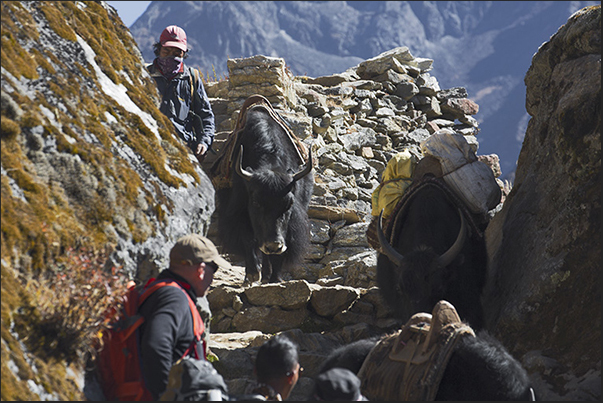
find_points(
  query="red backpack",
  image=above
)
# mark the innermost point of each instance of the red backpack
(118, 362)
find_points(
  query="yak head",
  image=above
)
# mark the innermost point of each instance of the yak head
(420, 276)
(271, 201)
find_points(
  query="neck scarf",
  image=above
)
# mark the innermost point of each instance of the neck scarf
(170, 66)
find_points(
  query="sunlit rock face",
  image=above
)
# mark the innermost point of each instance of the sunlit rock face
(89, 163)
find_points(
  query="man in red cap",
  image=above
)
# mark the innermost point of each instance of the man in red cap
(184, 100)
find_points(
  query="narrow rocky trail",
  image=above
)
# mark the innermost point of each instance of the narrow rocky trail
(235, 349)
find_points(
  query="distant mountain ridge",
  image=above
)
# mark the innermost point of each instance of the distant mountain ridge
(483, 46)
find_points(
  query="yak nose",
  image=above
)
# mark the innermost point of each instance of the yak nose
(273, 248)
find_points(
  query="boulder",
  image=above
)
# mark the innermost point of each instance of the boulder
(544, 297)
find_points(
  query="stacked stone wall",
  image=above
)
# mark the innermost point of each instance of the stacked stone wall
(354, 122)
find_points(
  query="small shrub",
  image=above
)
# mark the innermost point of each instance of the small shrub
(73, 300)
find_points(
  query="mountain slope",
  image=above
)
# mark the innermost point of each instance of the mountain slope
(90, 169)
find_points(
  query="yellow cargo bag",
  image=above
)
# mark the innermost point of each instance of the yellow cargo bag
(396, 179)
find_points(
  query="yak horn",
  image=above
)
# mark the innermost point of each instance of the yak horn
(387, 249)
(239, 166)
(306, 170)
(447, 257)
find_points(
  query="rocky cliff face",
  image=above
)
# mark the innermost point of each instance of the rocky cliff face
(545, 244)
(88, 160)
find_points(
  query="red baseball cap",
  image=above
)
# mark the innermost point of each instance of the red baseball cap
(173, 36)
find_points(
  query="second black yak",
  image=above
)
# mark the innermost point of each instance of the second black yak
(434, 254)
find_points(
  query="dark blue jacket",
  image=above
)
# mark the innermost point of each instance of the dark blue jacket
(176, 105)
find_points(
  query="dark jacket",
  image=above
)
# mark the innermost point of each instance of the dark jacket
(166, 333)
(176, 104)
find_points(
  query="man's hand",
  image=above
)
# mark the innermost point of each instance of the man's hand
(201, 150)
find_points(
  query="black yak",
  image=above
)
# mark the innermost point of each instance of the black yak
(453, 363)
(435, 253)
(263, 216)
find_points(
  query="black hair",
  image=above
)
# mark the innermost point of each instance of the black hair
(276, 358)
(157, 48)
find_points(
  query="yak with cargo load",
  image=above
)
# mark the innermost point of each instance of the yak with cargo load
(433, 251)
(434, 357)
(433, 247)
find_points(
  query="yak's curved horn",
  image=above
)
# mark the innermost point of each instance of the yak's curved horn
(305, 170)
(239, 166)
(447, 257)
(388, 250)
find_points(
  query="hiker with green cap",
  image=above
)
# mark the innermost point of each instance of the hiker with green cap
(172, 326)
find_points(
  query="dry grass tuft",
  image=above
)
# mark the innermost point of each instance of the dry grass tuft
(73, 300)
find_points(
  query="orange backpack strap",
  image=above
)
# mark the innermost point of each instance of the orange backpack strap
(132, 320)
(198, 326)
